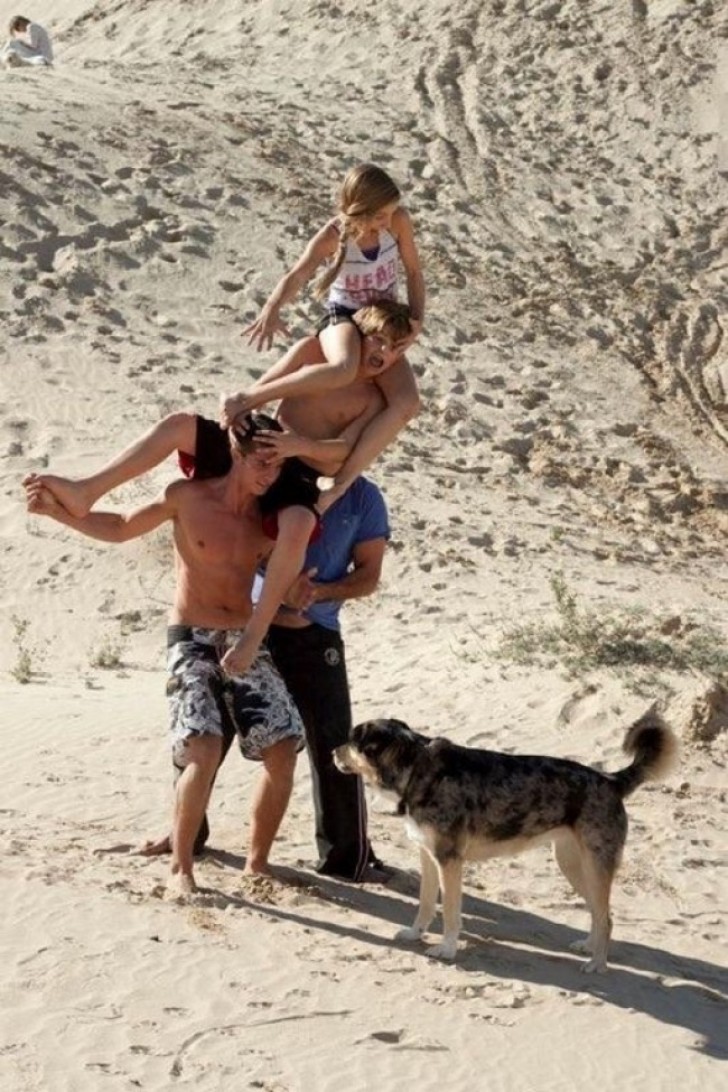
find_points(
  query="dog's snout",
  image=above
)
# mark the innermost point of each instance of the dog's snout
(339, 755)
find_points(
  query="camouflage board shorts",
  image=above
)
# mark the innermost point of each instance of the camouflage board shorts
(203, 700)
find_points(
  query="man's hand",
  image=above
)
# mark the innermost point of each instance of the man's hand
(302, 592)
(263, 330)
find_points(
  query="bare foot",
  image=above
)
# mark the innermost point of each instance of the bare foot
(75, 497)
(154, 847)
(180, 884)
(257, 868)
(38, 500)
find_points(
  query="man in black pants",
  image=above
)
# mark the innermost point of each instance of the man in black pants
(308, 650)
(305, 642)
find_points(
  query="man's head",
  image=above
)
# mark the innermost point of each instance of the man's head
(18, 25)
(383, 327)
(261, 467)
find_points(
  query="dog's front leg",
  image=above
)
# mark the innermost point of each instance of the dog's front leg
(429, 886)
(451, 884)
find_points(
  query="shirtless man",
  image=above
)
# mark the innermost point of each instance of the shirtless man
(324, 430)
(219, 543)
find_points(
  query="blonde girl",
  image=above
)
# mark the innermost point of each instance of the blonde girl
(362, 248)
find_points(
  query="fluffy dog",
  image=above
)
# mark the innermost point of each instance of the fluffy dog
(464, 804)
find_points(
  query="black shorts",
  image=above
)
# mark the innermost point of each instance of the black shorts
(295, 485)
(335, 313)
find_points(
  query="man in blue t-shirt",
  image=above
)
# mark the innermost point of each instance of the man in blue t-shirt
(307, 648)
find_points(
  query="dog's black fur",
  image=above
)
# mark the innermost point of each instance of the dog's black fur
(464, 804)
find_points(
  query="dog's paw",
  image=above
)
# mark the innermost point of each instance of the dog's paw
(410, 933)
(581, 947)
(447, 951)
(594, 966)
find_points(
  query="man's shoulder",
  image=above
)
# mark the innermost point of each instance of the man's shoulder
(365, 495)
(189, 490)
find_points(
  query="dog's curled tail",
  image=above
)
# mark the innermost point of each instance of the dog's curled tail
(654, 748)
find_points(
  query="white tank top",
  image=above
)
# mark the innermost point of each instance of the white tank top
(363, 280)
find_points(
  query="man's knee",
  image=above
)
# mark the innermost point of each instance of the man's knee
(202, 751)
(280, 759)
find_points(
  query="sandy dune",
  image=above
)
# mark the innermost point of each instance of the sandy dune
(566, 166)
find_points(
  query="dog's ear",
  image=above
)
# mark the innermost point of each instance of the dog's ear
(376, 727)
(399, 725)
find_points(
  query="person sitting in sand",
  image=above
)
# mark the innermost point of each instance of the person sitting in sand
(321, 433)
(29, 43)
(219, 543)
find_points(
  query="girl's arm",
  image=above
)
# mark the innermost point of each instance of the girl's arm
(321, 247)
(402, 227)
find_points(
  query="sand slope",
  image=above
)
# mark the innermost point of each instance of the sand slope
(565, 169)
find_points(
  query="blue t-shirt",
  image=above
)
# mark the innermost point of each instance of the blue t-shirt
(359, 516)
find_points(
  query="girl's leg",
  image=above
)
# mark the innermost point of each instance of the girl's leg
(399, 387)
(177, 432)
(341, 346)
(312, 366)
(295, 526)
(305, 352)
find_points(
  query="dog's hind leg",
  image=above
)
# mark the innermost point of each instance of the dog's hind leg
(568, 852)
(451, 885)
(598, 877)
(568, 858)
(429, 886)
(568, 855)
